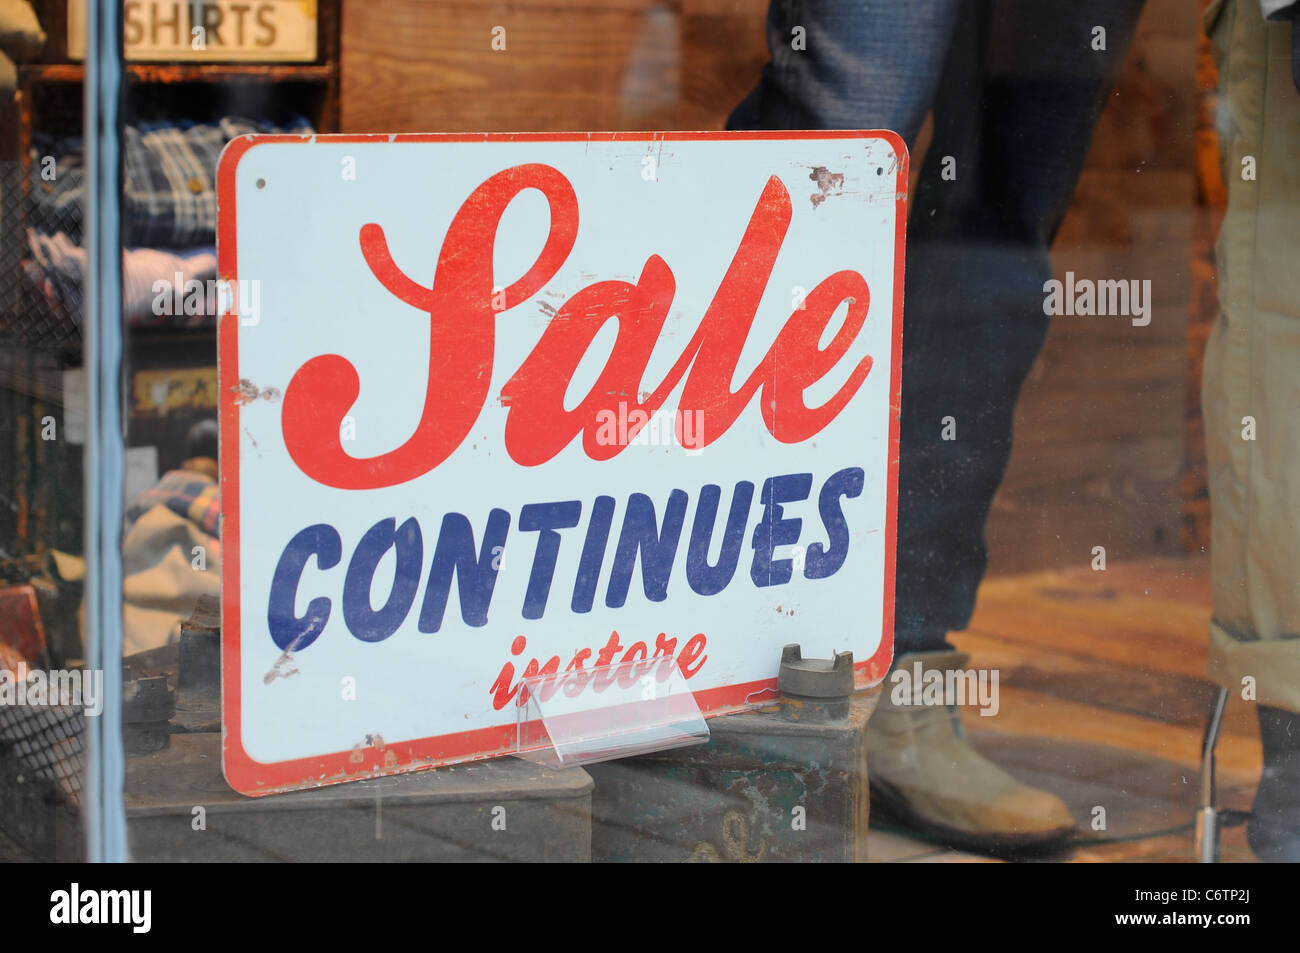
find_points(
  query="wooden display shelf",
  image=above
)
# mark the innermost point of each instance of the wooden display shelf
(187, 73)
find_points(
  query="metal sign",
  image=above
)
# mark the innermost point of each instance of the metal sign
(265, 31)
(501, 405)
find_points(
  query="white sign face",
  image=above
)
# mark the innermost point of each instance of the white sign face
(507, 404)
(258, 31)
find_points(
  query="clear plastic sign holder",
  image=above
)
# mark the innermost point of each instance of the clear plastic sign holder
(610, 711)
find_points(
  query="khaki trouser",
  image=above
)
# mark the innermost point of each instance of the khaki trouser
(1252, 362)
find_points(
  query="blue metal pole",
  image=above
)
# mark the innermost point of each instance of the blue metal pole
(105, 812)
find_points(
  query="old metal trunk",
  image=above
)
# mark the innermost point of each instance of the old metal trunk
(770, 786)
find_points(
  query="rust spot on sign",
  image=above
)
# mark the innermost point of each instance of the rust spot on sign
(278, 669)
(247, 392)
(826, 181)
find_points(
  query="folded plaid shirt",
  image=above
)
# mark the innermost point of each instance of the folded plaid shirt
(58, 269)
(187, 494)
(56, 204)
(169, 194)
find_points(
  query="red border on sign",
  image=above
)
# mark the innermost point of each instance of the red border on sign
(255, 778)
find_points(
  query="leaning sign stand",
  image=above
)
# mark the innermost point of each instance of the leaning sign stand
(615, 711)
(528, 436)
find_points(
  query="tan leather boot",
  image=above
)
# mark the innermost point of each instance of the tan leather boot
(925, 773)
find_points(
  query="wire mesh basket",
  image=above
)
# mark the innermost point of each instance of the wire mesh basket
(45, 743)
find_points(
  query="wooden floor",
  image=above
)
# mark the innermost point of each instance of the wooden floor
(1104, 700)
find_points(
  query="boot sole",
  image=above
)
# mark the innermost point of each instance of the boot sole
(894, 806)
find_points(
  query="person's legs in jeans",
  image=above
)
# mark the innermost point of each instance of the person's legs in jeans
(850, 64)
(1013, 117)
(1016, 94)
(1020, 96)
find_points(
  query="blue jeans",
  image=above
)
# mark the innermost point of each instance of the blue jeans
(1016, 87)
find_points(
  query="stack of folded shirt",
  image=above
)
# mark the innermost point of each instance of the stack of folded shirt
(57, 269)
(169, 211)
